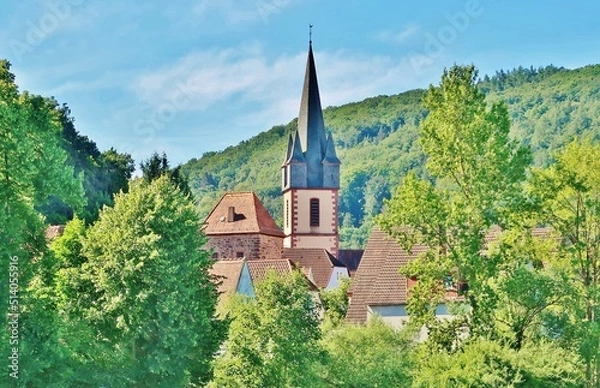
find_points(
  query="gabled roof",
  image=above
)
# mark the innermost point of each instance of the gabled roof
(227, 273)
(319, 262)
(259, 268)
(350, 258)
(377, 280)
(249, 216)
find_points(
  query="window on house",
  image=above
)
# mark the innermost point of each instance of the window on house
(239, 255)
(449, 283)
(215, 255)
(314, 212)
(287, 213)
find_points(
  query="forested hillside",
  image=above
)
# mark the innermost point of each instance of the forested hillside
(377, 141)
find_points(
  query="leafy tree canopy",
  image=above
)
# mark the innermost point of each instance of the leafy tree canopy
(152, 296)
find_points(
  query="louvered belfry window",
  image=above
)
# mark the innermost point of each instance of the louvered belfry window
(314, 212)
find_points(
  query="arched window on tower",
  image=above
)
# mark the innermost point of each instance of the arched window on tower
(314, 212)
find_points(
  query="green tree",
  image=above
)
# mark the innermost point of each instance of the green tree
(91, 362)
(158, 165)
(477, 174)
(374, 355)
(117, 169)
(273, 339)
(104, 174)
(153, 299)
(568, 198)
(530, 289)
(486, 363)
(335, 304)
(32, 168)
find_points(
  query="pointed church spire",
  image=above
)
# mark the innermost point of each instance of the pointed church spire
(311, 127)
(311, 174)
(310, 118)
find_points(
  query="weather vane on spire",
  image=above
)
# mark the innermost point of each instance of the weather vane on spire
(310, 26)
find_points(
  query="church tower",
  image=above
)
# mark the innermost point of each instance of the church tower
(310, 175)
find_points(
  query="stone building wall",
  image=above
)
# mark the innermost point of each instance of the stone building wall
(271, 247)
(249, 246)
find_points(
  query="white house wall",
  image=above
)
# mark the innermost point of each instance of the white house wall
(245, 286)
(396, 315)
(337, 275)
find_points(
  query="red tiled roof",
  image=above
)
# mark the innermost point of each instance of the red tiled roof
(543, 233)
(540, 233)
(250, 216)
(228, 275)
(318, 261)
(54, 231)
(377, 280)
(259, 268)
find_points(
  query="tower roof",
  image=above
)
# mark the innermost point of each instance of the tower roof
(330, 156)
(296, 155)
(319, 261)
(240, 213)
(311, 127)
(311, 161)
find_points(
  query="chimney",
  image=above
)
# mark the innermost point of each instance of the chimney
(231, 214)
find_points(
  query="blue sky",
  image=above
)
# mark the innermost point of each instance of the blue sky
(191, 76)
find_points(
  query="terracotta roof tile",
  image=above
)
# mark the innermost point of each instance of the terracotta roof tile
(318, 261)
(377, 280)
(259, 268)
(54, 231)
(249, 216)
(228, 275)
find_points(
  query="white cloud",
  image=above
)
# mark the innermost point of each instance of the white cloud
(111, 80)
(403, 36)
(239, 11)
(267, 92)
